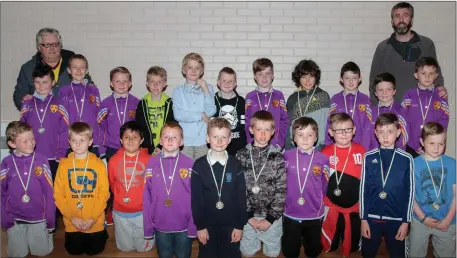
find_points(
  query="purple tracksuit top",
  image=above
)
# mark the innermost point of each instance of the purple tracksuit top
(109, 122)
(314, 189)
(41, 206)
(87, 98)
(361, 115)
(274, 102)
(398, 110)
(53, 141)
(438, 111)
(178, 216)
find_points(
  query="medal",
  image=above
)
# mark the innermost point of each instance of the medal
(309, 101)
(256, 188)
(168, 201)
(79, 205)
(266, 105)
(127, 186)
(117, 110)
(337, 191)
(25, 198)
(435, 204)
(219, 204)
(301, 200)
(383, 194)
(80, 114)
(424, 116)
(41, 119)
(355, 103)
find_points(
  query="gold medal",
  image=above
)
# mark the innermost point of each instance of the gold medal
(383, 195)
(168, 202)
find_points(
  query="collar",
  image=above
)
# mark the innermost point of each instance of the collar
(52, 67)
(385, 106)
(393, 39)
(306, 153)
(116, 96)
(36, 95)
(427, 89)
(259, 90)
(194, 88)
(212, 161)
(16, 156)
(350, 94)
(173, 156)
(219, 95)
(83, 83)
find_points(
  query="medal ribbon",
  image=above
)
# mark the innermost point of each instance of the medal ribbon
(384, 180)
(260, 104)
(41, 119)
(125, 109)
(389, 108)
(307, 173)
(84, 175)
(172, 175)
(127, 187)
(28, 176)
(338, 180)
(219, 191)
(433, 181)
(355, 103)
(80, 114)
(428, 107)
(309, 101)
(256, 178)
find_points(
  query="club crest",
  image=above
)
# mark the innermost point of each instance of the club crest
(437, 105)
(53, 108)
(132, 113)
(91, 99)
(38, 171)
(183, 172)
(316, 170)
(275, 103)
(362, 107)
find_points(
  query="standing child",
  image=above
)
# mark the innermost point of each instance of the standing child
(166, 197)
(342, 221)
(264, 97)
(194, 105)
(126, 173)
(423, 104)
(386, 191)
(81, 192)
(434, 202)
(354, 103)
(155, 108)
(46, 114)
(304, 207)
(115, 110)
(82, 98)
(218, 196)
(230, 106)
(266, 192)
(385, 89)
(28, 209)
(309, 100)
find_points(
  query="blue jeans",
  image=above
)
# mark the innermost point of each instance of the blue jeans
(177, 243)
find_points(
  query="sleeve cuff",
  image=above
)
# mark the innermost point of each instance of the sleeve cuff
(250, 214)
(270, 218)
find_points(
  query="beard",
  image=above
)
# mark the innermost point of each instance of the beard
(402, 30)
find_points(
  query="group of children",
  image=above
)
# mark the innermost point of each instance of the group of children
(311, 171)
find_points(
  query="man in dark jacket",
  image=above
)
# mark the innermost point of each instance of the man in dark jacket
(398, 54)
(50, 52)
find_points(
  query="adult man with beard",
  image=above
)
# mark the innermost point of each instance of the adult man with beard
(398, 54)
(50, 52)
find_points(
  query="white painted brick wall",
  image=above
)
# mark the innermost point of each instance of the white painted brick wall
(141, 34)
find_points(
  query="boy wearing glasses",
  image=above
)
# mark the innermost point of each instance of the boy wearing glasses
(342, 198)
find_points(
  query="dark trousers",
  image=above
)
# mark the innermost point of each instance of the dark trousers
(355, 232)
(306, 232)
(388, 230)
(169, 244)
(53, 165)
(108, 154)
(219, 244)
(78, 243)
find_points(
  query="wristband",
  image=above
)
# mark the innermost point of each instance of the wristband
(422, 220)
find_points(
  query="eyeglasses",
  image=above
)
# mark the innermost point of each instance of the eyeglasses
(346, 130)
(48, 45)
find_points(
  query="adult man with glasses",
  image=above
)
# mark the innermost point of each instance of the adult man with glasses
(50, 52)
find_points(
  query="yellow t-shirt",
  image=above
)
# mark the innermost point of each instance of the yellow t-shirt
(57, 70)
(93, 189)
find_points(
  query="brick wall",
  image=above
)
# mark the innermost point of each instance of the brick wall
(141, 34)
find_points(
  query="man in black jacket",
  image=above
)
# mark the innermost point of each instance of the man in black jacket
(50, 52)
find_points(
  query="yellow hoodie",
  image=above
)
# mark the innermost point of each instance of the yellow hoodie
(94, 191)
